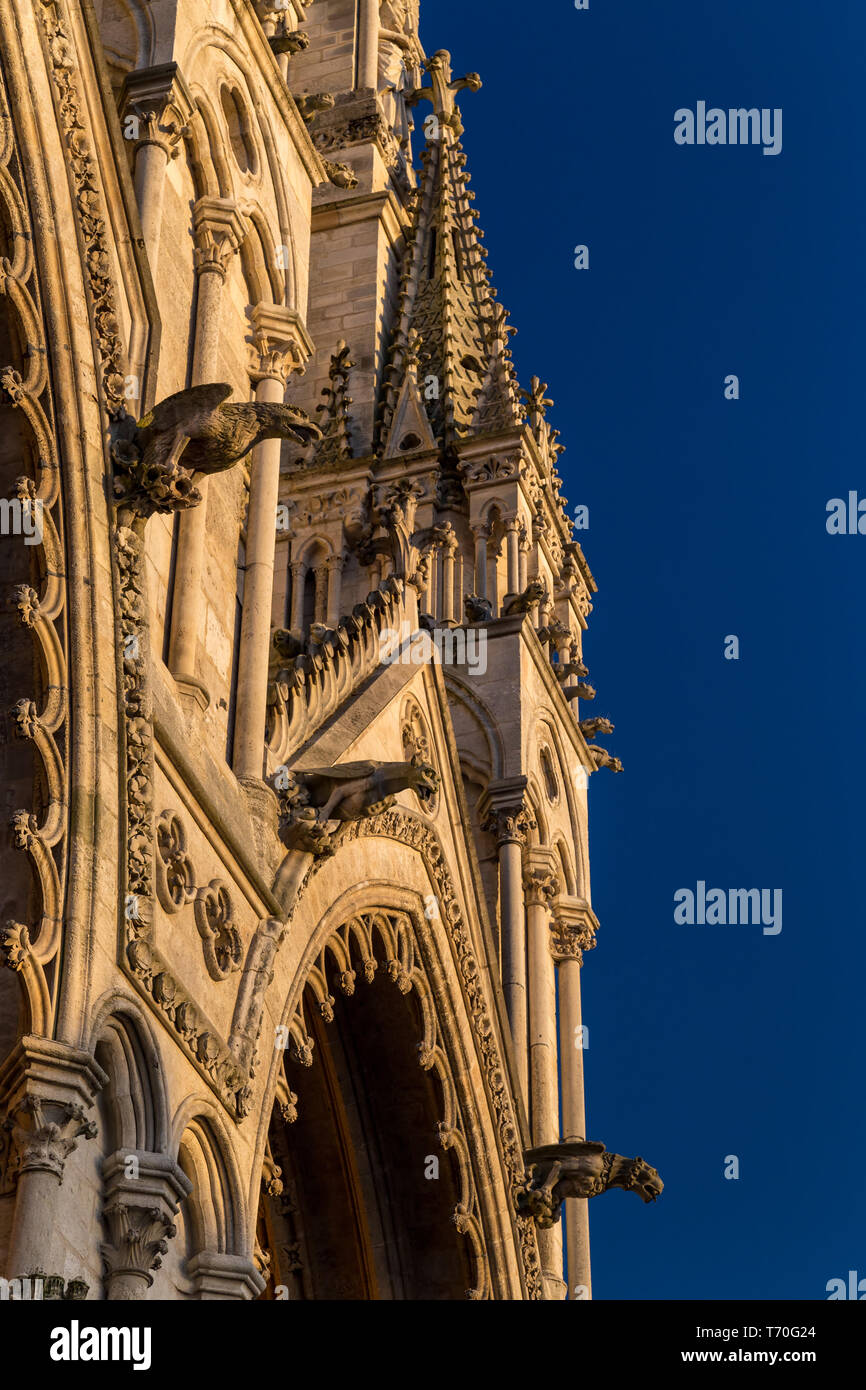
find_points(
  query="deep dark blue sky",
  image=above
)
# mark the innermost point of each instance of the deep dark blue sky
(707, 517)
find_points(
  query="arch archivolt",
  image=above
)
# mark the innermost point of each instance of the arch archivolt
(387, 940)
(215, 57)
(545, 732)
(417, 934)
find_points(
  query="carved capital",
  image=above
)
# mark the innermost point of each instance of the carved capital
(138, 1238)
(143, 1192)
(540, 886)
(573, 929)
(160, 104)
(280, 343)
(44, 1132)
(509, 824)
(218, 229)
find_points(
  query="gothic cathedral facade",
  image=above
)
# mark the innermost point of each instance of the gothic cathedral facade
(295, 869)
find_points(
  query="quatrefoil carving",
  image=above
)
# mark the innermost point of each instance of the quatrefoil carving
(221, 941)
(175, 875)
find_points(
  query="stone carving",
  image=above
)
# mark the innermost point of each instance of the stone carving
(289, 42)
(341, 175)
(307, 691)
(335, 443)
(442, 88)
(313, 802)
(493, 469)
(417, 746)
(602, 758)
(310, 104)
(590, 727)
(175, 875)
(581, 691)
(536, 402)
(573, 930)
(221, 941)
(580, 1169)
(535, 592)
(540, 886)
(43, 1134)
(209, 435)
(96, 257)
(509, 824)
(138, 1238)
(477, 609)
(31, 948)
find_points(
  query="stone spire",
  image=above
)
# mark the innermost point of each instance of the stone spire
(450, 334)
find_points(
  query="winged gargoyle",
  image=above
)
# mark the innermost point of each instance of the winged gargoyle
(315, 800)
(580, 1168)
(195, 431)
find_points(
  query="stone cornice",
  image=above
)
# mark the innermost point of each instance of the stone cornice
(360, 208)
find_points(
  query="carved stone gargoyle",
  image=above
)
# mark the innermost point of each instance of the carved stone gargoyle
(534, 592)
(580, 1168)
(477, 609)
(590, 728)
(313, 802)
(602, 758)
(197, 427)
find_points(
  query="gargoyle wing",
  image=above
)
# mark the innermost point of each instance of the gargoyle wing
(340, 772)
(573, 1148)
(186, 408)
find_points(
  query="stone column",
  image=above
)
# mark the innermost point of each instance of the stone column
(512, 540)
(430, 590)
(509, 821)
(156, 103)
(274, 352)
(481, 533)
(368, 44)
(573, 931)
(448, 553)
(142, 1194)
(334, 566)
(321, 574)
(298, 569)
(494, 550)
(52, 1087)
(540, 885)
(219, 231)
(523, 565)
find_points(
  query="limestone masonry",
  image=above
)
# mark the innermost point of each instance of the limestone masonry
(295, 863)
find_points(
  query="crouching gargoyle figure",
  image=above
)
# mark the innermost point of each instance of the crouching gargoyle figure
(314, 801)
(194, 431)
(580, 1168)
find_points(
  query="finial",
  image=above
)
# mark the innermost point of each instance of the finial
(440, 91)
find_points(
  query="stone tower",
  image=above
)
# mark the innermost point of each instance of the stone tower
(296, 872)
